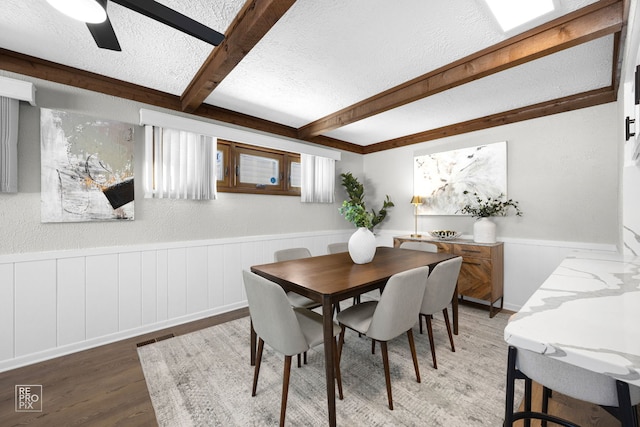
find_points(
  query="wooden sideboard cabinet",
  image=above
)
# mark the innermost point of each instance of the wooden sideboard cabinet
(482, 273)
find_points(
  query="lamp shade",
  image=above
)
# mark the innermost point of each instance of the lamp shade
(416, 200)
(91, 11)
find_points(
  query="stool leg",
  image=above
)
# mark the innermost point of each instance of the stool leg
(546, 393)
(510, 388)
(626, 411)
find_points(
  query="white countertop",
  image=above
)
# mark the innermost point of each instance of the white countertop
(587, 313)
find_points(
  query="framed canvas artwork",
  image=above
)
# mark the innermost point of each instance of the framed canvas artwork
(442, 179)
(86, 168)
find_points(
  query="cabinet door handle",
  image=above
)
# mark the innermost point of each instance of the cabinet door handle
(471, 251)
(472, 263)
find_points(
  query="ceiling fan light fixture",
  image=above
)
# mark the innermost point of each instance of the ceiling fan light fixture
(90, 11)
(511, 14)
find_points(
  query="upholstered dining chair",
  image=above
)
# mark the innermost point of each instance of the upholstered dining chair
(286, 329)
(394, 314)
(335, 248)
(419, 246)
(615, 396)
(296, 300)
(441, 285)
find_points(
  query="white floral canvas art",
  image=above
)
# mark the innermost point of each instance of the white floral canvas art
(442, 179)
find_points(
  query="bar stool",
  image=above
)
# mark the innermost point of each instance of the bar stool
(615, 396)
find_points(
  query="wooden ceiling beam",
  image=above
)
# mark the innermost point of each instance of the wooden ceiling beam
(555, 106)
(253, 21)
(42, 69)
(596, 20)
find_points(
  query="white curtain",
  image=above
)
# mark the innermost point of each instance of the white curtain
(179, 164)
(318, 179)
(8, 145)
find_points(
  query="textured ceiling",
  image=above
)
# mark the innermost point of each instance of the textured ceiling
(320, 57)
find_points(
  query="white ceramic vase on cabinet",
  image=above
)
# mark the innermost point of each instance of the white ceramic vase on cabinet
(484, 231)
(362, 246)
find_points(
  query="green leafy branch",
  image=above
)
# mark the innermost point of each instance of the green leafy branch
(355, 210)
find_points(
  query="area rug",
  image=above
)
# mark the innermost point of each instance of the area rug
(204, 379)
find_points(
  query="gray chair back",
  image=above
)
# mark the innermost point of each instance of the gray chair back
(334, 248)
(399, 304)
(419, 246)
(441, 285)
(289, 254)
(272, 316)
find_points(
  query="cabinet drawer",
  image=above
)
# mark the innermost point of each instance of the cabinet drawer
(472, 251)
(475, 279)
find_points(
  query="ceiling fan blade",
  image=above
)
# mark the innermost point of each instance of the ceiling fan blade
(180, 22)
(104, 35)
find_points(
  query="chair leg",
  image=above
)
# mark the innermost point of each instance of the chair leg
(304, 357)
(414, 356)
(340, 342)
(256, 371)
(285, 388)
(336, 360)
(446, 321)
(420, 321)
(428, 317)
(299, 361)
(387, 373)
(373, 346)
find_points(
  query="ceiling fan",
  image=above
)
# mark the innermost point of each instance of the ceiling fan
(94, 14)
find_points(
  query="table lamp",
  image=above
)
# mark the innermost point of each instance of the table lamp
(415, 201)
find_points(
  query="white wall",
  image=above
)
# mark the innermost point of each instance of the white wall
(563, 169)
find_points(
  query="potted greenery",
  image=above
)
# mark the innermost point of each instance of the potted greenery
(362, 244)
(484, 230)
(355, 210)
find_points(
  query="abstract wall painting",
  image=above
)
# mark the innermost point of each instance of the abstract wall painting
(442, 178)
(86, 168)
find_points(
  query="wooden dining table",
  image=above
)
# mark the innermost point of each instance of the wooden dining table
(329, 279)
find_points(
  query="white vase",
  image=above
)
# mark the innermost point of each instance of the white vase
(484, 231)
(362, 246)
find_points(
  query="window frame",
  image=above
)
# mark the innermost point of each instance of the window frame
(231, 164)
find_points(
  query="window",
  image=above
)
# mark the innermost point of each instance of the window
(251, 169)
(237, 166)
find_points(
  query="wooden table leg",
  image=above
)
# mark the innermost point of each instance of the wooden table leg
(454, 308)
(253, 344)
(327, 318)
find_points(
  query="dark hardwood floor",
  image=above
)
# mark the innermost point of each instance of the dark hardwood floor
(105, 386)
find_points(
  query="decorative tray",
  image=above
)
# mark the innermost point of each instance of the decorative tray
(444, 234)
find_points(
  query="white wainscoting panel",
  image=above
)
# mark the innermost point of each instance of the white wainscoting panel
(35, 310)
(129, 290)
(215, 280)
(102, 295)
(149, 273)
(197, 272)
(162, 284)
(177, 282)
(7, 344)
(55, 303)
(71, 307)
